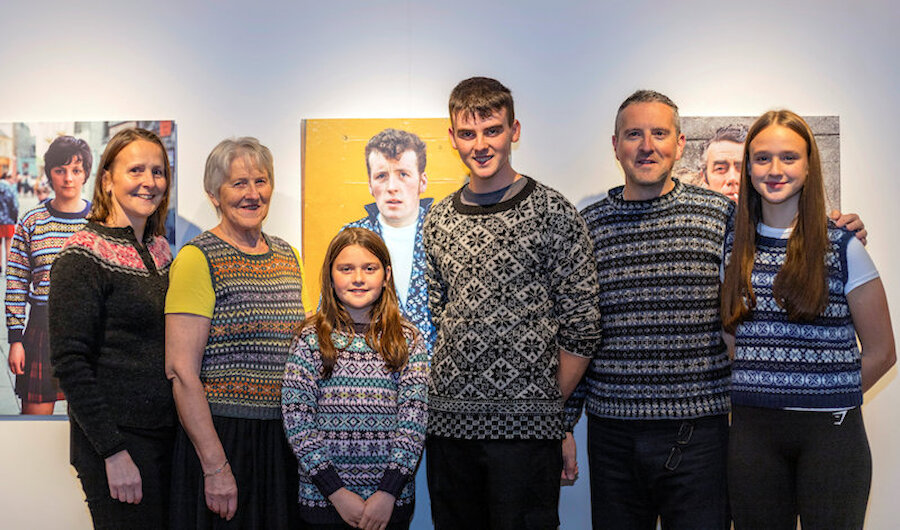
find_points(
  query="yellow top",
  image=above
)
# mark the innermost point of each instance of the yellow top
(190, 285)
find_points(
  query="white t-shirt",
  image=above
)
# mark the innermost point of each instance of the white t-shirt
(401, 243)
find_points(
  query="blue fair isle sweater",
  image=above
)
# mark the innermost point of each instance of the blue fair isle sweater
(782, 364)
(363, 428)
(658, 262)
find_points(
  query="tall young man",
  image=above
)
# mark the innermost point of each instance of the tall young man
(512, 291)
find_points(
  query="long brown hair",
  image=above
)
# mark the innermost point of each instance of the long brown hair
(386, 330)
(102, 207)
(800, 286)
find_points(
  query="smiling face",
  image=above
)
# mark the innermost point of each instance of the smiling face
(779, 165)
(358, 278)
(136, 184)
(647, 144)
(484, 145)
(723, 167)
(396, 186)
(244, 197)
(68, 179)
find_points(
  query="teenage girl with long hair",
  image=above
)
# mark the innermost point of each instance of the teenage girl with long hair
(797, 293)
(354, 394)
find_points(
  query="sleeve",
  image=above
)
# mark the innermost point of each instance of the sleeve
(860, 267)
(412, 420)
(299, 403)
(437, 290)
(77, 306)
(18, 282)
(574, 286)
(190, 284)
(304, 288)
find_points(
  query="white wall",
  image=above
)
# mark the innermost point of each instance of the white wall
(257, 68)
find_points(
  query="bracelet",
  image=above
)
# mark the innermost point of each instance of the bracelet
(216, 472)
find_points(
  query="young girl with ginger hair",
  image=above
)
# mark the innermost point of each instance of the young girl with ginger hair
(354, 394)
(797, 293)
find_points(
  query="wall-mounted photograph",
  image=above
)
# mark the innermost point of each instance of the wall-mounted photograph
(383, 175)
(47, 176)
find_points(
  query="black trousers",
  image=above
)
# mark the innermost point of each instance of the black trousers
(784, 463)
(667, 470)
(151, 450)
(494, 484)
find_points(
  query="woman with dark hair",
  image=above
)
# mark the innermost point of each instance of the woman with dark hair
(235, 297)
(39, 236)
(107, 336)
(797, 293)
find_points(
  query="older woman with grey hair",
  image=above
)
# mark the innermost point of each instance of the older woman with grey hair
(235, 296)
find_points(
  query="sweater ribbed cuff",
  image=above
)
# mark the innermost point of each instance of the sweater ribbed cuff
(327, 480)
(15, 335)
(392, 482)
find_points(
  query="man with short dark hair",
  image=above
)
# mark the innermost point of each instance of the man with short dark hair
(395, 162)
(512, 291)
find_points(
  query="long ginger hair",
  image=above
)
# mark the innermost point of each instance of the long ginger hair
(386, 330)
(800, 286)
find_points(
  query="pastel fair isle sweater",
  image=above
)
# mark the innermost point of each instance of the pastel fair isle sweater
(107, 333)
(779, 363)
(258, 305)
(39, 237)
(508, 286)
(658, 263)
(363, 428)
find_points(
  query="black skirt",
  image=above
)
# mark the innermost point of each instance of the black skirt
(264, 469)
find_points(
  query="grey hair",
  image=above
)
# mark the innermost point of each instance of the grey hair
(218, 163)
(649, 96)
(733, 132)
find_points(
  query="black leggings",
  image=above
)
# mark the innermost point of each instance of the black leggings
(784, 463)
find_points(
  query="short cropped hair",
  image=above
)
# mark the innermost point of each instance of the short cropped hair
(218, 163)
(482, 97)
(392, 143)
(733, 132)
(63, 149)
(648, 96)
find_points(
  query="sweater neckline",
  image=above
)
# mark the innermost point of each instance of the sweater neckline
(121, 232)
(502, 206)
(616, 198)
(264, 255)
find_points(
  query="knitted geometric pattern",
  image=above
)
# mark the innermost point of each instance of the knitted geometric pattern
(509, 285)
(658, 262)
(779, 363)
(118, 254)
(363, 428)
(38, 239)
(257, 309)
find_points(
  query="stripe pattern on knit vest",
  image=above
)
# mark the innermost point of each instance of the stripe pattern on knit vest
(779, 363)
(258, 306)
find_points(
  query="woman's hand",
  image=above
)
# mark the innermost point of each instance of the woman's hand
(221, 492)
(17, 358)
(124, 478)
(349, 506)
(377, 512)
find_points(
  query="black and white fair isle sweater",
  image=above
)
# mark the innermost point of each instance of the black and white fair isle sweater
(658, 264)
(509, 285)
